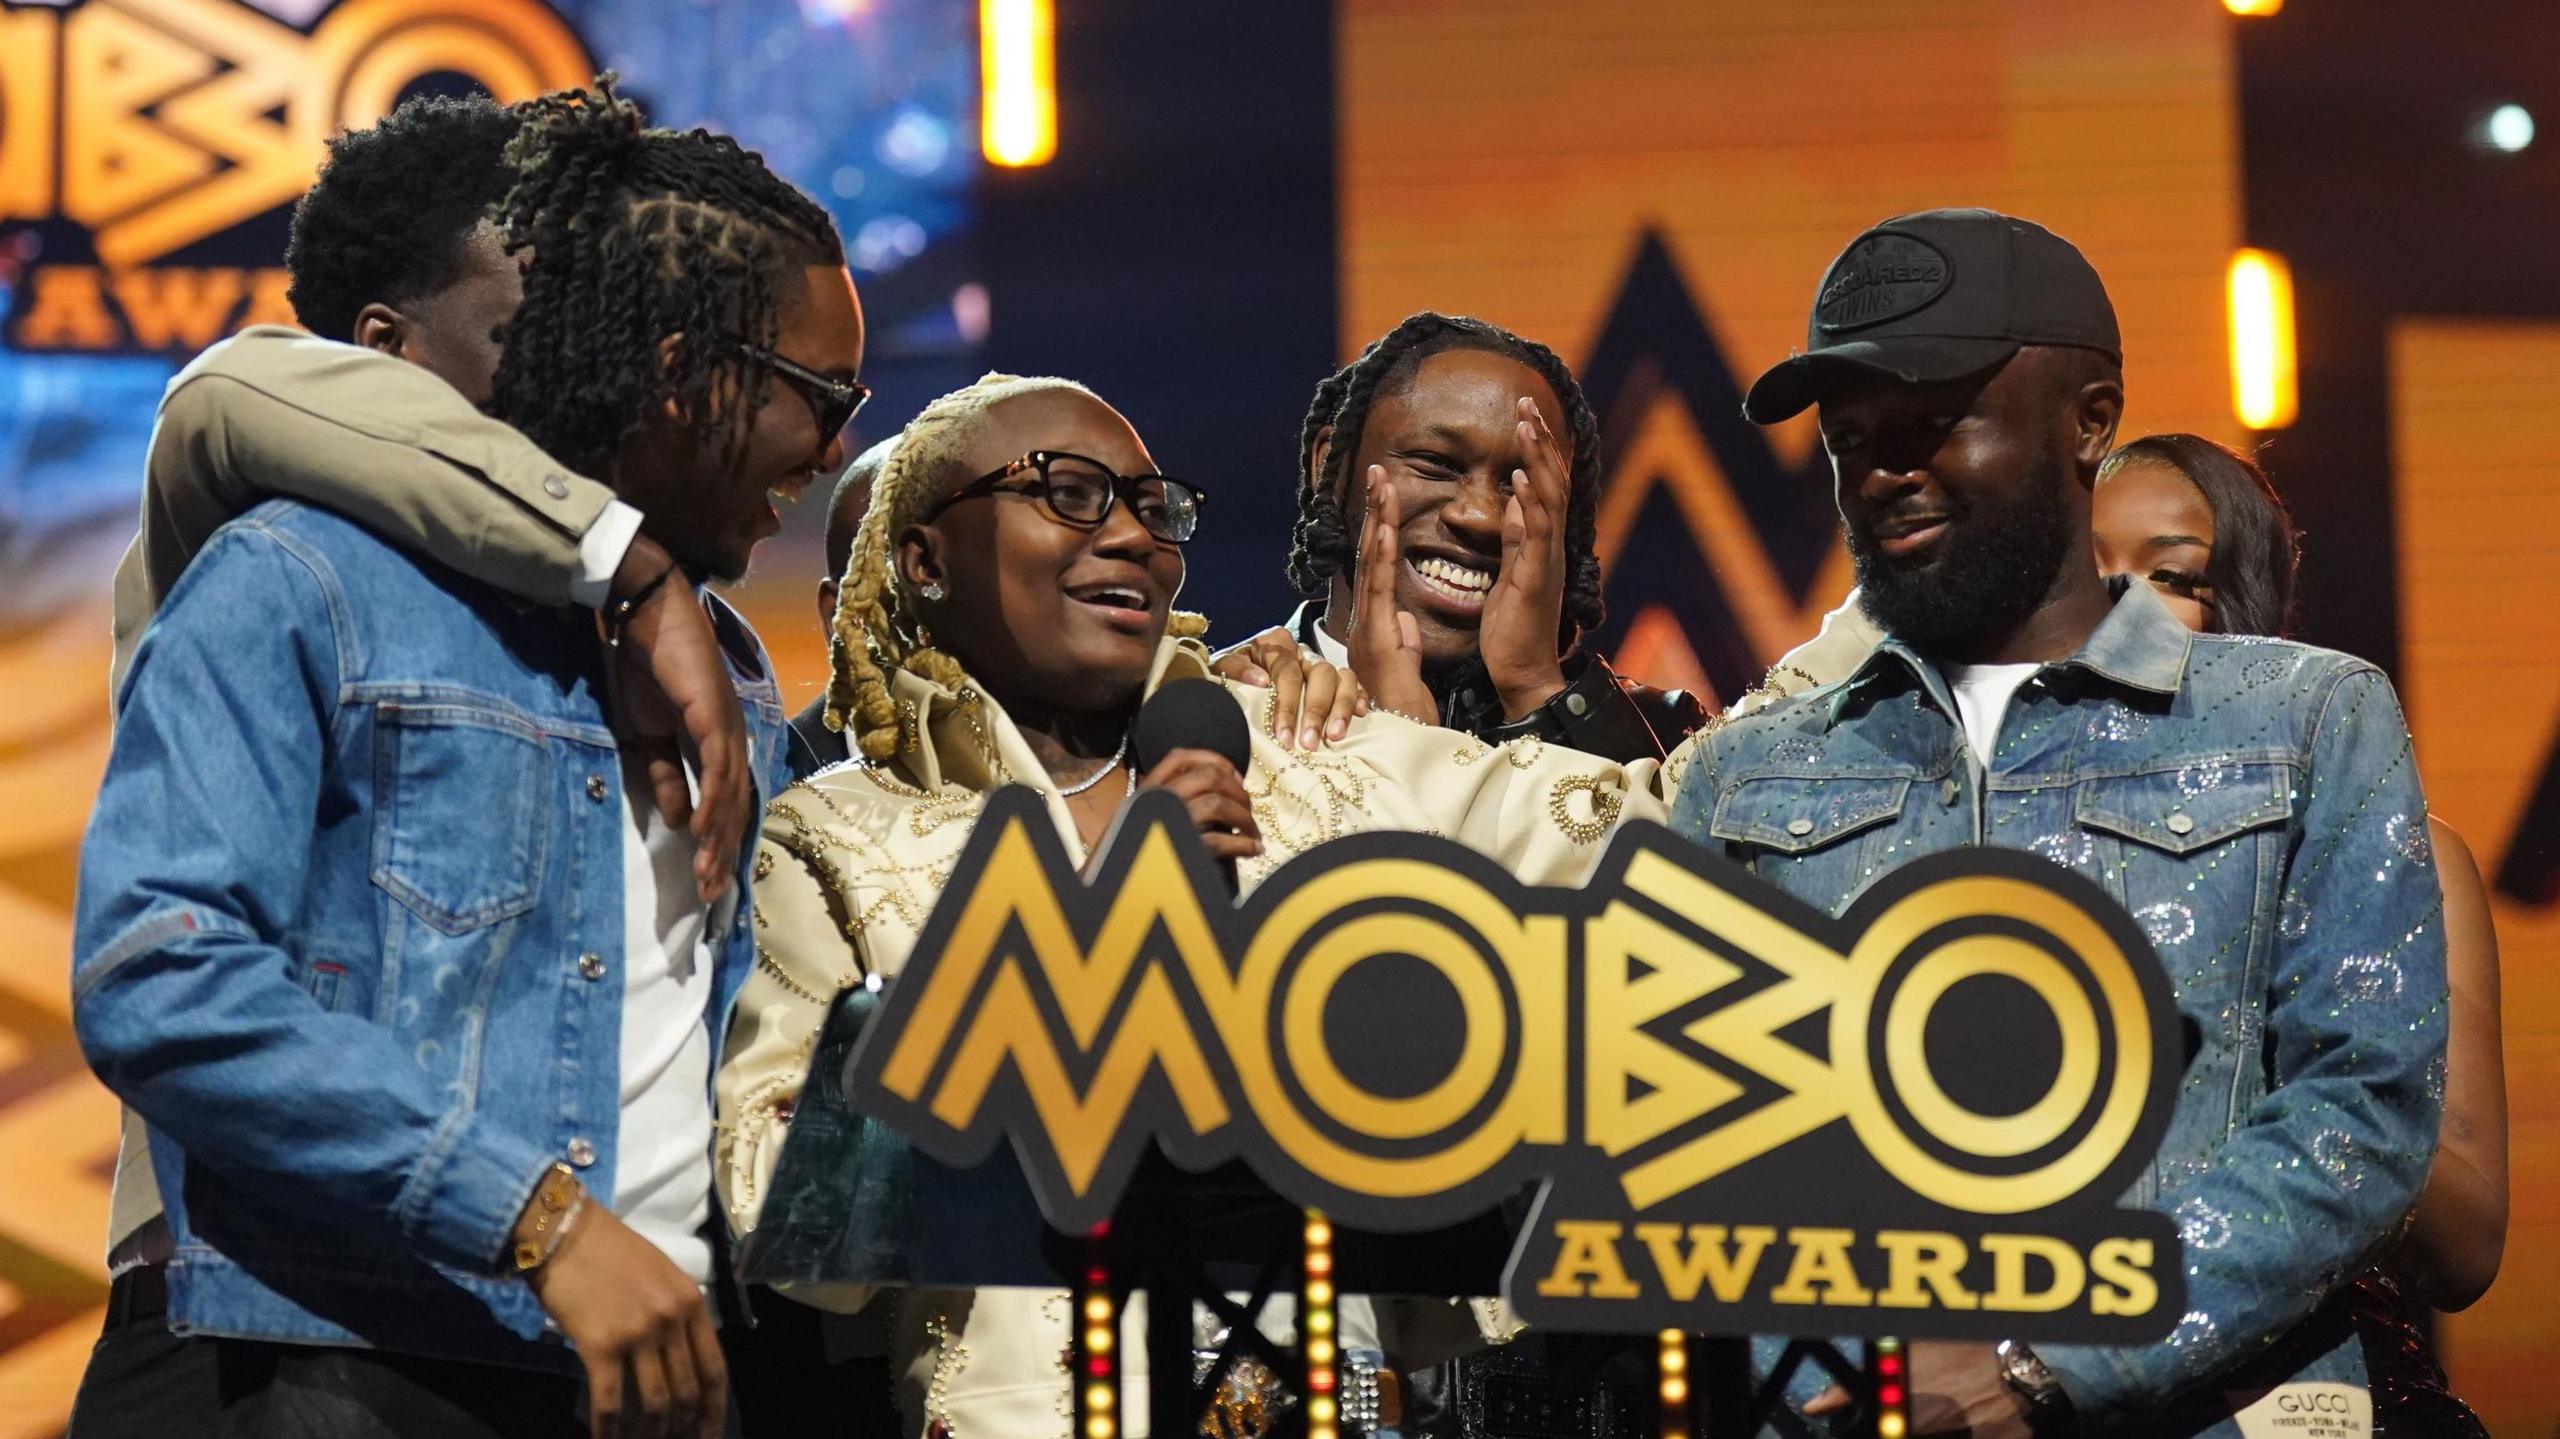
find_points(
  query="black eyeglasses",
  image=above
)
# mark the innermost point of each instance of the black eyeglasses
(831, 401)
(1079, 491)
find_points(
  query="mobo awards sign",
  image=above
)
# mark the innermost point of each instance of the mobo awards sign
(153, 146)
(1915, 1119)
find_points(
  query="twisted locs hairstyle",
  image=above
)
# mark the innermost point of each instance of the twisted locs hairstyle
(2255, 550)
(878, 630)
(1326, 541)
(639, 235)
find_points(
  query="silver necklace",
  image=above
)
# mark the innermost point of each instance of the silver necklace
(1089, 781)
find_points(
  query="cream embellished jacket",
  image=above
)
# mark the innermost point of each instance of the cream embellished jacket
(854, 857)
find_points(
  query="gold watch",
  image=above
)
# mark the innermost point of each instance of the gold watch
(557, 1198)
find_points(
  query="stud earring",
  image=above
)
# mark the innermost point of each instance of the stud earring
(930, 589)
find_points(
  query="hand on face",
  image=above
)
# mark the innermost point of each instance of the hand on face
(1525, 612)
(1456, 446)
(1386, 641)
(1049, 615)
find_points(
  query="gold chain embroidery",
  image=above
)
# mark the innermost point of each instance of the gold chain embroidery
(1053, 1312)
(773, 967)
(948, 1357)
(1605, 804)
(805, 845)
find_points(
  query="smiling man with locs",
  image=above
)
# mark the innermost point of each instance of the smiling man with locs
(2253, 803)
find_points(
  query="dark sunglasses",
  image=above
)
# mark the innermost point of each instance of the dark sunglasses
(831, 401)
(1080, 491)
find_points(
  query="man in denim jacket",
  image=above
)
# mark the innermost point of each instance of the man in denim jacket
(367, 856)
(2254, 805)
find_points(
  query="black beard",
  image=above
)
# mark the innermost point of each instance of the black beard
(1990, 572)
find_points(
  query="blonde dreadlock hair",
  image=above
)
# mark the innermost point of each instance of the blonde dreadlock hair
(877, 629)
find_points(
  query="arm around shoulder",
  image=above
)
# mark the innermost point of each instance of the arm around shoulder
(383, 442)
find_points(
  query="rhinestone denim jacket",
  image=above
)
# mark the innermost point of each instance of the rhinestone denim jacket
(2255, 805)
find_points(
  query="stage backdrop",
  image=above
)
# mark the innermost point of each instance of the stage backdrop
(1651, 188)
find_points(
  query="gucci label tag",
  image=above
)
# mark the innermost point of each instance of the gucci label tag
(2309, 1411)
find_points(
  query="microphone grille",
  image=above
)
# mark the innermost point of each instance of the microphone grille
(1191, 714)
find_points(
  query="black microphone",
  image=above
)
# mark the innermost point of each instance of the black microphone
(1193, 714)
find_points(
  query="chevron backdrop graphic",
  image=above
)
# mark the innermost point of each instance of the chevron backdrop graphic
(57, 1126)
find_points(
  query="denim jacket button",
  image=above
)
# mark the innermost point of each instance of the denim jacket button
(591, 965)
(596, 788)
(1950, 792)
(2181, 824)
(582, 1152)
(1799, 827)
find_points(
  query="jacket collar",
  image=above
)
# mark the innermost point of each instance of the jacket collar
(963, 737)
(2139, 645)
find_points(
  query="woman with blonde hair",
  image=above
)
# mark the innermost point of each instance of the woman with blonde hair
(1007, 608)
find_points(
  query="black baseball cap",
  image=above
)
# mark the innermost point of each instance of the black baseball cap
(1937, 296)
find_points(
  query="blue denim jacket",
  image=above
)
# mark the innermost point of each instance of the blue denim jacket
(2256, 807)
(358, 853)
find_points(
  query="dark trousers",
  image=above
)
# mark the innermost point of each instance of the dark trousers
(144, 1382)
(787, 1384)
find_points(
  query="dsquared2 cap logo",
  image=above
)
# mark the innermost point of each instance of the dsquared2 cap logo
(1884, 276)
(1724, 1092)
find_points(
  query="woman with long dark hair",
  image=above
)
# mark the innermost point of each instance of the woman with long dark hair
(2202, 523)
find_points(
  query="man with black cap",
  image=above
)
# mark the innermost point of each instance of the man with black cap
(2253, 804)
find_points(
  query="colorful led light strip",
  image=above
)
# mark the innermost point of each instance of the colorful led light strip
(1095, 1353)
(1674, 1366)
(1316, 1332)
(1885, 1365)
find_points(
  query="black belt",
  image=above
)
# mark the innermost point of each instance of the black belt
(139, 1295)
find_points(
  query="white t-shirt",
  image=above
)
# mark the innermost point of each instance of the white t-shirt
(1982, 696)
(662, 1166)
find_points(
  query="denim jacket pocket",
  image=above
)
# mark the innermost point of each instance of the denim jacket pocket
(2192, 808)
(460, 792)
(1791, 814)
